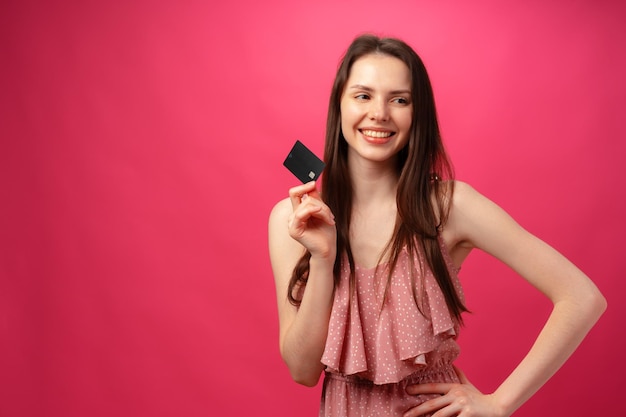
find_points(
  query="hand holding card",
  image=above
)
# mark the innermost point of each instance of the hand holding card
(303, 163)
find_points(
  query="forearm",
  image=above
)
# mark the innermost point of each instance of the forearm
(303, 343)
(566, 327)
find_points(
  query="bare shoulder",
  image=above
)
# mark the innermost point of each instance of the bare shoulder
(464, 195)
(474, 220)
(460, 198)
(281, 211)
(467, 202)
(458, 194)
(477, 222)
(278, 232)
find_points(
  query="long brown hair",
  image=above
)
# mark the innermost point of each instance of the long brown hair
(422, 164)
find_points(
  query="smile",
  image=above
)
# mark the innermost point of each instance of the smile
(377, 133)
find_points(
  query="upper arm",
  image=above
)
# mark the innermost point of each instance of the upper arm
(477, 222)
(284, 255)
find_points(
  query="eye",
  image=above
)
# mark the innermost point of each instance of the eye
(362, 96)
(401, 100)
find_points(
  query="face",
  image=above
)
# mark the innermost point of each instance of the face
(376, 108)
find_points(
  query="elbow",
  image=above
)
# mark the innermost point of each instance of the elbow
(307, 376)
(306, 380)
(304, 369)
(596, 304)
(304, 374)
(600, 304)
(585, 306)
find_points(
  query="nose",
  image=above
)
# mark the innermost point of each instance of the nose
(378, 110)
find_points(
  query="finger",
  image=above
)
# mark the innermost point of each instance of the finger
(311, 207)
(441, 405)
(296, 193)
(324, 214)
(303, 213)
(314, 193)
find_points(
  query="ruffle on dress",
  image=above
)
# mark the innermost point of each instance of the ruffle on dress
(387, 345)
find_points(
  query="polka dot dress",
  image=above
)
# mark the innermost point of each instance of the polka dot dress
(372, 353)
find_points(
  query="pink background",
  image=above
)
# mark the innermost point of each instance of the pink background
(141, 148)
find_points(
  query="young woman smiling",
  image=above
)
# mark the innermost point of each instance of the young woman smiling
(366, 269)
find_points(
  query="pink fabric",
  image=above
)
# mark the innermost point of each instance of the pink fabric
(371, 354)
(351, 396)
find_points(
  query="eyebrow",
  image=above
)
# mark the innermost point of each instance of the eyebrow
(369, 89)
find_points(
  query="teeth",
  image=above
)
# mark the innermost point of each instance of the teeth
(376, 134)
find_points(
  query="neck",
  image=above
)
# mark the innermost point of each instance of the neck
(373, 183)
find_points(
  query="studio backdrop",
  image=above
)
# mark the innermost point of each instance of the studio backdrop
(141, 150)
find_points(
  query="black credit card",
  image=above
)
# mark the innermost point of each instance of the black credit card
(303, 163)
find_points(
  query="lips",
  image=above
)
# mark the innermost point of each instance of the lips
(377, 136)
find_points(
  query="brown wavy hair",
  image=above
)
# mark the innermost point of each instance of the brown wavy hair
(422, 197)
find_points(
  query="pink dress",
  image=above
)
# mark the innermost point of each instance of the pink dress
(371, 355)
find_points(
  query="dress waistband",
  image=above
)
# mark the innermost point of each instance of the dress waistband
(446, 371)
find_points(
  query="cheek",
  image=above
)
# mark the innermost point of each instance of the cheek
(406, 120)
(345, 113)
(345, 129)
(347, 120)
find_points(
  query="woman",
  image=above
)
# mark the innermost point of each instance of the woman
(365, 271)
